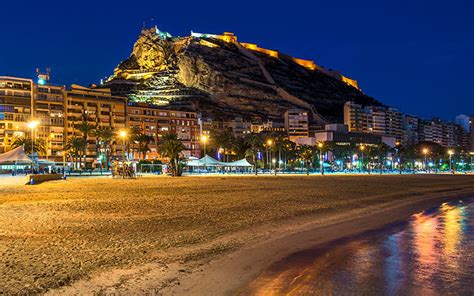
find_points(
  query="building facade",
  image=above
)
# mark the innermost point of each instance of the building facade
(374, 119)
(99, 108)
(49, 112)
(156, 122)
(407, 129)
(296, 124)
(16, 100)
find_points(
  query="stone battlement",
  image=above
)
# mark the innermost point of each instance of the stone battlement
(309, 64)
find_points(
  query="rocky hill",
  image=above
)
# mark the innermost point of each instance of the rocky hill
(216, 75)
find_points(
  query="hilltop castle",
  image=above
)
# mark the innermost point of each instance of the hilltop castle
(309, 64)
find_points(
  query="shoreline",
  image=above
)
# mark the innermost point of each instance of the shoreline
(231, 271)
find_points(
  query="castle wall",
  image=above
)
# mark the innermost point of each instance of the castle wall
(306, 63)
(309, 64)
(350, 82)
(254, 47)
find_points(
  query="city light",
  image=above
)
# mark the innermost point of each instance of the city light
(33, 124)
(123, 134)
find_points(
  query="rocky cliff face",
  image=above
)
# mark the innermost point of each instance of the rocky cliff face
(224, 80)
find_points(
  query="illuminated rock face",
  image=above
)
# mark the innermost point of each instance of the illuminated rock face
(224, 79)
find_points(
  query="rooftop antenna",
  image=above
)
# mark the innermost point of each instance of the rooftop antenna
(43, 77)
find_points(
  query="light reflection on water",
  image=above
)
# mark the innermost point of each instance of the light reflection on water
(431, 254)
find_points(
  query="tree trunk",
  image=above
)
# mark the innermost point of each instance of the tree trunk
(255, 164)
(307, 168)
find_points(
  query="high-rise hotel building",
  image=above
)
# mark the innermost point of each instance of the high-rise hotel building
(16, 99)
(374, 119)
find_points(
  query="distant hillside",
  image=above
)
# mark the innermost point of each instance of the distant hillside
(216, 75)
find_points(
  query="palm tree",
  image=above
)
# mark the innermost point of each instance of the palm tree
(224, 139)
(382, 151)
(143, 142)
(289, 149)
(86, 129)
(75, 145)
(172, 148)
(38, 146)
(407, 155)
(104, 135)
(279, 147)
(307, 154)
(254, 143)
(134, 138)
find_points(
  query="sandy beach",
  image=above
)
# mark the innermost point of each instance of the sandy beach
(190, 235)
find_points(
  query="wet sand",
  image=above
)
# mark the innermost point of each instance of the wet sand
(194, 235)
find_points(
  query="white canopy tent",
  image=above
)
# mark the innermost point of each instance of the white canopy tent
(212, 162)
(15, 156)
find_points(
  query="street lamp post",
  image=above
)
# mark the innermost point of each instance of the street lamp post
(450, 152)
(321, 161)
(274, 166)
(362, 148)
(32, 125)
(269, 152)
(204, 139)
(123, 135)
(425, 152)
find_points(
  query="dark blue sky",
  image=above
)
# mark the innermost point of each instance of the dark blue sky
(417, 56)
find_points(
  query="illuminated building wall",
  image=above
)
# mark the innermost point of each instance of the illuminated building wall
(155, 122)
(306, 63)
(350, 82)
(296, 124)
(48, 110)
(226, 36)
(16, 95)
(374, 119)
(100, 108)
(254, 47)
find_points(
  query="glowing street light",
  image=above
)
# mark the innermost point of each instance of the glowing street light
(269, 151)
(425, 152)
(450, 152)
(321, 161)
(204, 140)
(362, 148)
(123, 135)
(33, 125)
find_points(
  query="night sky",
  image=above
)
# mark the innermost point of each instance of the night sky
(417, 56)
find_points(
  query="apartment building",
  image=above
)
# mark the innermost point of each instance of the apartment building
(374, 119)
(16, 99)
(48, 111)
(447, 134)
(357, 118)
(155, 121)
(296, 124)
(98, 107)
(411, 130)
